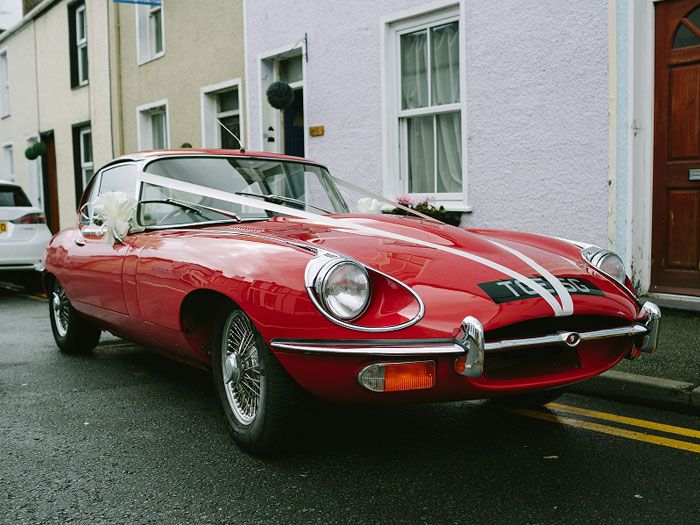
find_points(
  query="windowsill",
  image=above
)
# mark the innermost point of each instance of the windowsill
(4, 116)
(151, 59)
(81, 85)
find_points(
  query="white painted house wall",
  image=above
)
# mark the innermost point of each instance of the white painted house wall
(536, 143)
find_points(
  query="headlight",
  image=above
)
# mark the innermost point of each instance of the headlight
(343, 288)
(607, 262)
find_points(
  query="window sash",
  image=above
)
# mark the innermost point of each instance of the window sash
(80, 26)
(427, 27)
(155, 30)
(433, 110)
(81, 44)
(159, 128)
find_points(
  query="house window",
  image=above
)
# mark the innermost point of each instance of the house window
(4, 85)
(153, 126)
(149, 31)
(8, 162)
(221, 108)
(82, 157)
(86, 167)
(426, 107)
(77, 30)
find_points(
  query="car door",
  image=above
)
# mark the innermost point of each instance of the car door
(97, 265)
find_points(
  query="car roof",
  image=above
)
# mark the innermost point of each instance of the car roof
(9, 183)
(205, 152)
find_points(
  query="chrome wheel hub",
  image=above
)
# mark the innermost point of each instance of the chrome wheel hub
(232, 369)
(61, 310)
(240, 367)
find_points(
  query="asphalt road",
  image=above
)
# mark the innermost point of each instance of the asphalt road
(127, 436)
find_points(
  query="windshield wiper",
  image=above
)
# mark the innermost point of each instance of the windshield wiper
(194, 208)
(280, 199)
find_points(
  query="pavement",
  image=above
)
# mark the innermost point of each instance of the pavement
(125, 435)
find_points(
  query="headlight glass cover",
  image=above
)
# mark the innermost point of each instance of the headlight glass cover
(607, 262)
(343, 288)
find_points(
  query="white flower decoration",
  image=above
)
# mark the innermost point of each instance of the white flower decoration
(115, 210)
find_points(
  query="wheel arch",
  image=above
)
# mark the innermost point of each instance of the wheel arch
(198, 314)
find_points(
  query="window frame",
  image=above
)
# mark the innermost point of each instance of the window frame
(4, 84)
(211, 131)
(80, 43)
(8, 147)
(145, 33)
(84, 164)
(144, 124)
(395, 152)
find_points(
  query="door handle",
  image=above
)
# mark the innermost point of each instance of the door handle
(79, 241)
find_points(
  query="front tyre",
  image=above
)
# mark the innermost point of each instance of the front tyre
(256, 393)
(72, 332)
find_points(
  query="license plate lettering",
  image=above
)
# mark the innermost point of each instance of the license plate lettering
(508, 290)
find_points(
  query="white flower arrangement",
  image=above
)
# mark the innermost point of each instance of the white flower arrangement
(116, 213)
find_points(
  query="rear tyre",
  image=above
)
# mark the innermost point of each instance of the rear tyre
(256, 394)
(72, 332)
(532, 400)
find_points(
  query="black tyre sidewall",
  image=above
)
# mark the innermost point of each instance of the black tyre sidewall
(81, 336)
(261, 435)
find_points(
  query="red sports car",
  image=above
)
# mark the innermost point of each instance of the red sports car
(258, 267)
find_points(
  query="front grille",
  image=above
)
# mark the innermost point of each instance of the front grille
(552, 325)
(544, 360)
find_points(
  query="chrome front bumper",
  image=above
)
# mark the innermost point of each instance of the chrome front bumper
(470, 346)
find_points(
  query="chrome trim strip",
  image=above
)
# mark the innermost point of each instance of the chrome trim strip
(441, 347)
(320, 348)
(562, 337)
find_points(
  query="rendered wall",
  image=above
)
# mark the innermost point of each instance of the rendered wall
(537, 109)
(203, 46)
(42, 99)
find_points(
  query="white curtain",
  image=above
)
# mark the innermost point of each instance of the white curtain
(449, 152)
(414, 70)
(444, 57)
(421, 160)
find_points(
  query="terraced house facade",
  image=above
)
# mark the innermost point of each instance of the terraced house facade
(574, 119)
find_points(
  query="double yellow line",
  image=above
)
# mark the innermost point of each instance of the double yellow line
(556, 409)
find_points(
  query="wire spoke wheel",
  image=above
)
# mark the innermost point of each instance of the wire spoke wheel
(60, 307)
(240, 366)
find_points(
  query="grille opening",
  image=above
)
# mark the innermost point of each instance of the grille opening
(530, 362)
(552, 325)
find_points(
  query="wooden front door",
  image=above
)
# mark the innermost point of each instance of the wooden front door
(50, 182)
(675, 265)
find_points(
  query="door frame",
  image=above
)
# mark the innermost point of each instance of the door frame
(640, 138)
(49, 174)
(268, 73)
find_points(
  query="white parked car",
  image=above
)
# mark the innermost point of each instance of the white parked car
(23, 231)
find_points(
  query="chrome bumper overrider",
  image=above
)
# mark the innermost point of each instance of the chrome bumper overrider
(471, 341)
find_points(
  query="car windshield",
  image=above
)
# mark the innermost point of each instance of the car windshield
(13, 196)
(292, 184)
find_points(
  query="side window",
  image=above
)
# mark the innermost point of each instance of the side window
(120, 178)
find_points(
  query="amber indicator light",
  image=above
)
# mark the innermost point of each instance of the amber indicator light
(409, 376)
